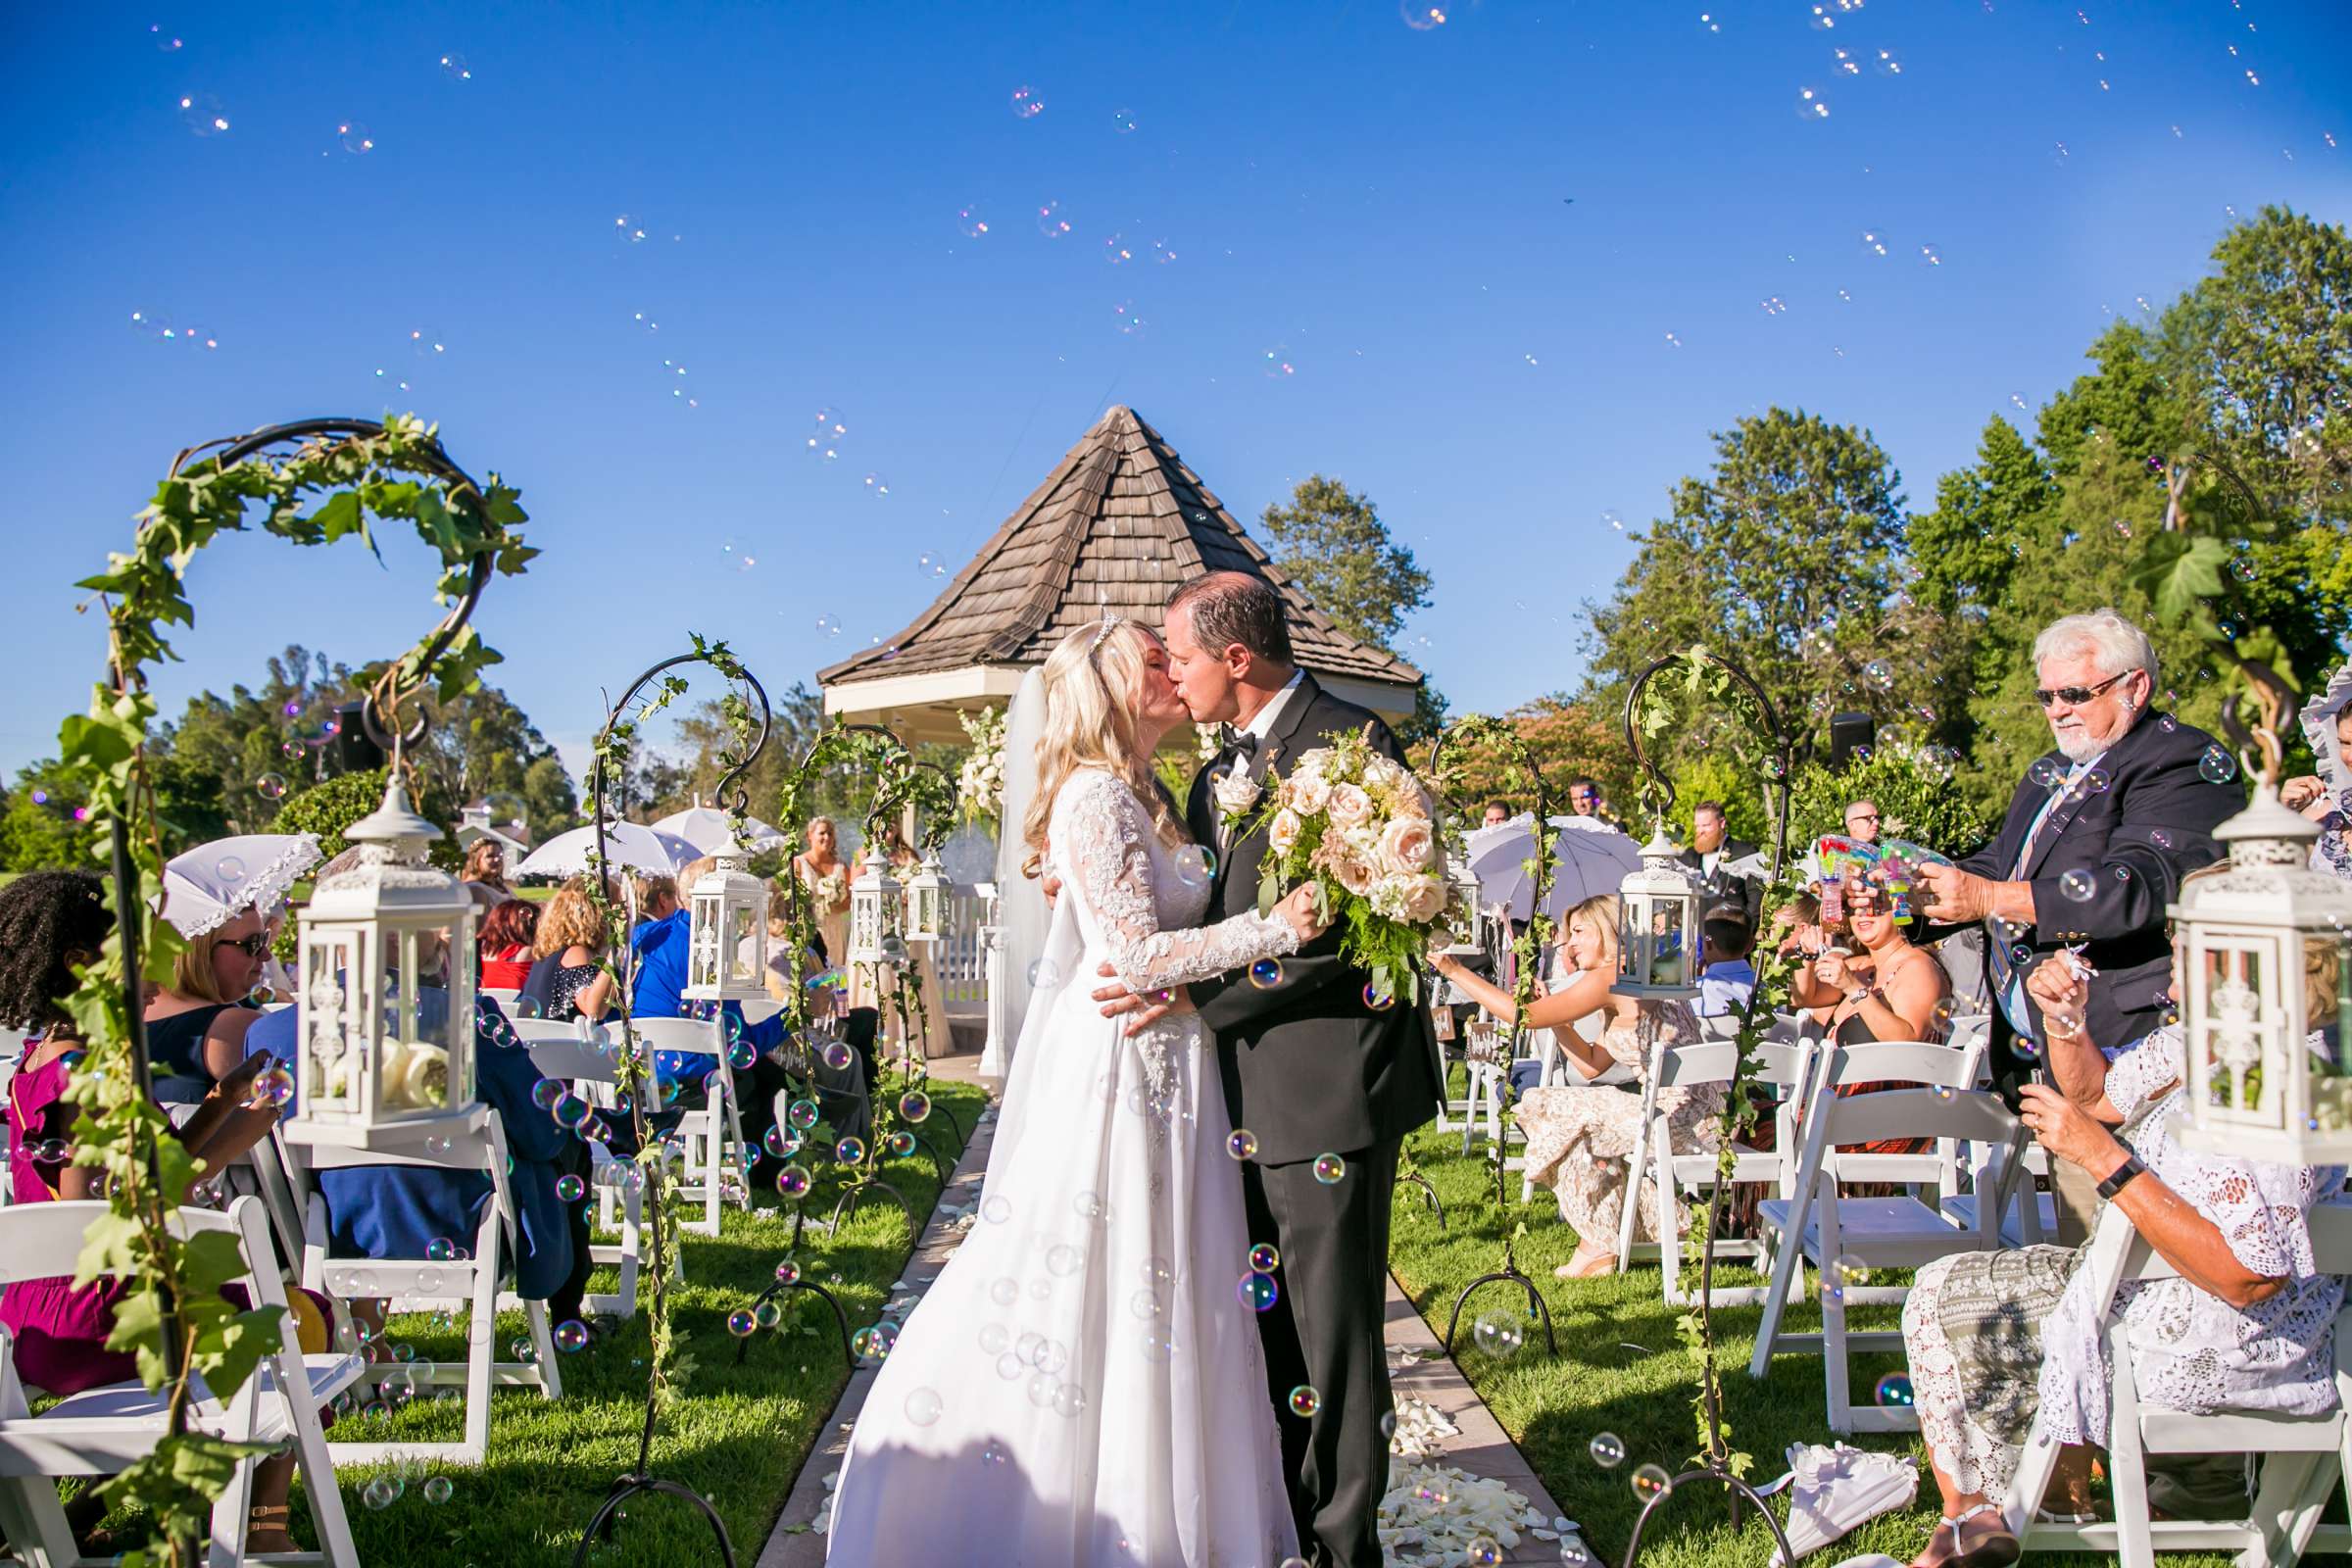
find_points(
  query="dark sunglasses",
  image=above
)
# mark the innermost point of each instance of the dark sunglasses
(2077, 695)
(253, 947)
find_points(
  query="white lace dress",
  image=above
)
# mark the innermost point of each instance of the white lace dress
(1082, 1384)
(1977, 1388)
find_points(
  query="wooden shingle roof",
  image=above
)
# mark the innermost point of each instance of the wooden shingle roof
(1119, 523)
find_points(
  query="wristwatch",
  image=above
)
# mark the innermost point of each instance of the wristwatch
(2120, 1176)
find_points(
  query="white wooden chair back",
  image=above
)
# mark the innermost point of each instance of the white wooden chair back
(1816, 1225)
(103, 1431)
(619, 1207)
(2303, 1458)
(423, 1284)
(709, 1131)
(1924, 1064)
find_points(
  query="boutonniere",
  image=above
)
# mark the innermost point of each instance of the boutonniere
(1238, 794)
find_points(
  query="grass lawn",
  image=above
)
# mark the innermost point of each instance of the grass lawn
(1552, 1406)
(738, 1436)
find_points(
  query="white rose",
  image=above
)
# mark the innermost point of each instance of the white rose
(1424, 900)
(1382, 775)
(1305, 793)
(1284, 830)
(1353, 874)
(1406, 845)
(1237, 792)
(1350, 806)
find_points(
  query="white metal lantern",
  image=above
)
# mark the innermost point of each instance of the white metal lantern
(726, 949)
(384, 1056)
(2262, 950)
(1657, 930)
(874, 909)
(927, 900)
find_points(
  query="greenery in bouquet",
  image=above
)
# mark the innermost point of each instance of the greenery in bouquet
(1358, 827)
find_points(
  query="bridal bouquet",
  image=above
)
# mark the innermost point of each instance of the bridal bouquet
(1357, 826)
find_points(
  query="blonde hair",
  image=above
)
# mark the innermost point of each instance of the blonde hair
(1599, 912)
(192, 973)
(1091, 680)
(808, 832)
(569, 920)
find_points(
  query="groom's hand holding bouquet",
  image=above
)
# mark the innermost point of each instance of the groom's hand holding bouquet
(1354, 826)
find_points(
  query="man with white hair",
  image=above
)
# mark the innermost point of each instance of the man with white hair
(2097, 839)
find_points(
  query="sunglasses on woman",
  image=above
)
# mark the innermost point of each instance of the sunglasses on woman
(2075, 695)
(253, 947)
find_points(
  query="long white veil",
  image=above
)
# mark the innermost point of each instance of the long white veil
(1022, 919)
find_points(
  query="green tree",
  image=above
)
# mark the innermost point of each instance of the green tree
(1918, 796)
(1331, 542)
(40, 830)
(327, 809)
(1986, 515)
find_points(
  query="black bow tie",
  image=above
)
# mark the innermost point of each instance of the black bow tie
(1239, 744)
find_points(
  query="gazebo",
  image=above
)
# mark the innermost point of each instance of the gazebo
(1119, 522)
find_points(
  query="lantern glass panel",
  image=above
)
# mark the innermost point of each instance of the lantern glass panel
(434, 1025)
(743, 944)
(331, 1011)
(2237, 1021)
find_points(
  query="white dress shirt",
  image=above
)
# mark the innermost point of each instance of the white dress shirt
(1261, 722)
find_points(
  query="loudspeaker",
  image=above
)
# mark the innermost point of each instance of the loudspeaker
(355, 752)
(1849, 731)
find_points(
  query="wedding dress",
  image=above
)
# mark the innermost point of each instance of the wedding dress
(1083, 1384)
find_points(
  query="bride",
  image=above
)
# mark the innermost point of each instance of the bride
(1081, 1384)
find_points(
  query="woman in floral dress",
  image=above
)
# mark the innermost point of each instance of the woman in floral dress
(1579, 1138)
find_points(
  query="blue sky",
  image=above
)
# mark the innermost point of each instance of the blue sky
(1519, 264)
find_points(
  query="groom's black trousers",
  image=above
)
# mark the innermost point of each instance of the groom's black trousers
(1325, 1331)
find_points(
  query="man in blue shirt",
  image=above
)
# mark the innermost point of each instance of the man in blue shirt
(659, 943)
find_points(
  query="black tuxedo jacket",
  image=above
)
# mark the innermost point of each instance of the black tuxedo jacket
(2136, 839)
(1723, 888)
(1307, 1066)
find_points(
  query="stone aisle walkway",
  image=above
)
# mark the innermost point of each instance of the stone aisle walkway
(1452, 1491)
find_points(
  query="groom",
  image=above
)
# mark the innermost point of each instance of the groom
(1308, 1067)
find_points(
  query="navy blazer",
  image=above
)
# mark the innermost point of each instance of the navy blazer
(2135, 840)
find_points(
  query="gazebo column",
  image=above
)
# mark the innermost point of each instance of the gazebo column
(996, 1053)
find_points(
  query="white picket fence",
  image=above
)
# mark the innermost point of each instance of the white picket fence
(964, 951)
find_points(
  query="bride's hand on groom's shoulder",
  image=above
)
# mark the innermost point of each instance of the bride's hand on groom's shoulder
(1142, 1010)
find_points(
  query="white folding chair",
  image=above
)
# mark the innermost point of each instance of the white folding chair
(1817, 1226)
(2304, 1457)
(621, 1206)
(103, 1431)
(504, 996)
(421, 1284)
(1954, 1064)
(713, 1130)
(1784, 1066)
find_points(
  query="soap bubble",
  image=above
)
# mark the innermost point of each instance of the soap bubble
(1243, 1144)
(1026, 104)
(788, 1273)
(794, 1181)
(914, 1105)
(165, 42)
(1652, 1481)
(1377, 999)
(1263, 1259)
(355, 136)
(454, 66)
(968, 219)
(1607, 1449)
(1194, 865)
(923, 1406)
(1123, 121)
(850, 1151)
(379, 1493)
(1811, 105)
(270, 786)
(1266, 973)
(802, 1113)
(838, 1056)
(1050, 222)
(1304, 1401)
(571, 1336)
(1070, 1400)
(441, 1250)
(1894, 1389)
(1485, 1551)
(1257, 1292)
(2217, 765)
(1043, 975)
(202, 113)
(2078, 885)
(1500, 1336)
(1328, 1168)
(438, 1489)
(2046, 773)
(1063, 1259)
(272, 1089)
(229, 868)
(997, 1210)
(1879, 673)
(569, 1188)
(741, 1323)
(1422, 15)
(899, 1145)
(2096, 782)
(1844, 1273)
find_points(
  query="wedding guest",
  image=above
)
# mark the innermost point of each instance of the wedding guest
(1711, 854)
(1889, 991)
(504, 944)
(659, 945)
(1497, 814)
(486, 864)
(1583, 797)
(1578, 1138)
(1996, 1338)
(572, 934)
(826, 877)
(1728, 979)
(2098, 836)
(219, 904)
(50, 923)
(1862, 821)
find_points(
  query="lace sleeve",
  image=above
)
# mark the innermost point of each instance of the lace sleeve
(2260, 1209)
(2143, 1068)
(1101, 828)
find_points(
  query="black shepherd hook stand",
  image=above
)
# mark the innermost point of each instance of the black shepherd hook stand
(1660, 788)
(382, 704)
(730, 794)
(1510, 1272)
(742, 1345)
(1428, 1193)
